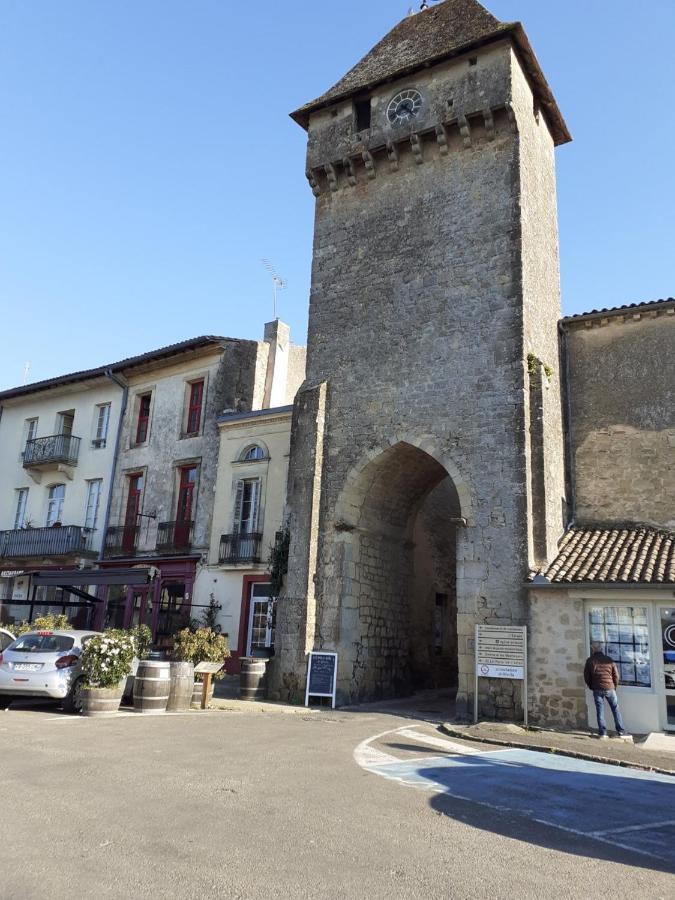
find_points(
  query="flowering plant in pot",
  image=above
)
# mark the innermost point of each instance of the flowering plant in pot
(106, 662)
(201, 645)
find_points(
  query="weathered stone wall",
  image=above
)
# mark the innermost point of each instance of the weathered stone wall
(417, 323)
(556, 655)
(540, 275)
(622, 404)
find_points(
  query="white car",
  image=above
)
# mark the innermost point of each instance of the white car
(44, 664)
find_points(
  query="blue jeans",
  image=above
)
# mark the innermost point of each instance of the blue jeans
(610, 696)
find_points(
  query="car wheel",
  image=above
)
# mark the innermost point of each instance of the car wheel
(72, 702)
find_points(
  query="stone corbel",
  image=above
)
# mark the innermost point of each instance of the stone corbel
(416, 145)
(464, 129)
(313, 182)
(488, 118)
(369, 163)
(350, 171)
(392, 153)
(510, 112)
(442, 139)
(329, 169)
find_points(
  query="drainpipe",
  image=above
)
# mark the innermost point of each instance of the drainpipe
(570, 475)
(124, 384)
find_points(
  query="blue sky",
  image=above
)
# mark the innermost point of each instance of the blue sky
(147, 162)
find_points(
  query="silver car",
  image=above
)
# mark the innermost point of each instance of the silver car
(44, 664)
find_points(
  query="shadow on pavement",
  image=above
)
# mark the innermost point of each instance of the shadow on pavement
(560, 810)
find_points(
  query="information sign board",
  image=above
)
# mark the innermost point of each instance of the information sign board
(210, 667)
(501, 652)
(321, 675)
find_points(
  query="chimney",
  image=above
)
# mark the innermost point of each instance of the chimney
(278, 336)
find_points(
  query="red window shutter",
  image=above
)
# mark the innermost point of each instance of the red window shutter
(195, 407)
(143, 419)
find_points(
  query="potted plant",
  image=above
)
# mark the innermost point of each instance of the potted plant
(49, 622)
(106, 662)
(201, 645)
(142, 640)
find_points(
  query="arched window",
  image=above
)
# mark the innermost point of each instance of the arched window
(255, 451)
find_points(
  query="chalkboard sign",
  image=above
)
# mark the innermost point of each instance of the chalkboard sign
(321, 676)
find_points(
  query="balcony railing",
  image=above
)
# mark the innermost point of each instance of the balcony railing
(121, 540)
(240, 548)
(46, 451)
(174, 537)
(55, 541)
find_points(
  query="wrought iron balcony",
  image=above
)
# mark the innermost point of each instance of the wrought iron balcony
(121, 540)
(174, 537)
(240, 548)
(63, 540)
(43, 452)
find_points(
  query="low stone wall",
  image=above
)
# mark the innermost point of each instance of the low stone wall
(556, 655)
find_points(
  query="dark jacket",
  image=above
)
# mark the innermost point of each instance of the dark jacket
(601, 673)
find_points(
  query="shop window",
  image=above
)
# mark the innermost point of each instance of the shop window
(194, 408)
(623, 634)
(143, 418)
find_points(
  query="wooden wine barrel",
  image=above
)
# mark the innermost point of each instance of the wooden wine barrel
(196, 701)
(101, 702)
(252, 680)
(182, 684)
(151, 686)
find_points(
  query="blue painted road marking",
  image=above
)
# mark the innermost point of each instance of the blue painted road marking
(625, 807)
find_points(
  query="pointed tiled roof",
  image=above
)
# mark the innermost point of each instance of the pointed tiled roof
(437, 33)
(633, 554)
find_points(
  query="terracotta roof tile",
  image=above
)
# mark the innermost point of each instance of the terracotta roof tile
(638, 554)
(644, 306)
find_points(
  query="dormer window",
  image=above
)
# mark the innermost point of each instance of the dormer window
(255, 451)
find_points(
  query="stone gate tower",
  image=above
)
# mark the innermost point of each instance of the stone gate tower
(426, 465)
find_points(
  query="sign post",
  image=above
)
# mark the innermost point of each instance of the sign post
(208, 670)
(501, 652)
(321, 675)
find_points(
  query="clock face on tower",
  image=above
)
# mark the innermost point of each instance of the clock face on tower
(404, 106)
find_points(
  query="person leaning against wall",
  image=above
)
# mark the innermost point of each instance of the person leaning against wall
(602, 677)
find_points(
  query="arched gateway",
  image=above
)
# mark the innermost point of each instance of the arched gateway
(394, 575)
(434, 294)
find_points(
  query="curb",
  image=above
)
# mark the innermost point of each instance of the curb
(452, 731)
(250, 706)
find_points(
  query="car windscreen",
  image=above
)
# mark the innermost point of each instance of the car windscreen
(5, 640)
(42, 643)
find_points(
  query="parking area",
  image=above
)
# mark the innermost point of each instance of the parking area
(264, 803)
(630, 809)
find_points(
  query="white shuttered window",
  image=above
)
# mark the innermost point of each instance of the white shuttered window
(21, 502)
(246, 506)
(93, 500)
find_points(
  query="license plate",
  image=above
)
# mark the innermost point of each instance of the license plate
(27, 667)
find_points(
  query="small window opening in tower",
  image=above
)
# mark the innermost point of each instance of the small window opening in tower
(473, 60)
(362, 112)
(450, 103)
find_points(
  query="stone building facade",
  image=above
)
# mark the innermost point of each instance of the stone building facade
(427, 454)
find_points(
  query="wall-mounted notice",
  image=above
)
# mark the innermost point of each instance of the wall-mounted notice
(501, 652)
(321, 675)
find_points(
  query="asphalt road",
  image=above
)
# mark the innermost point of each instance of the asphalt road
(239, 805)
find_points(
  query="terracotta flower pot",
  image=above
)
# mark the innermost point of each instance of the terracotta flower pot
(102, 702)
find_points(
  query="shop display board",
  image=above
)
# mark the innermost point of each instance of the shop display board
(321, 675)
(501, 652)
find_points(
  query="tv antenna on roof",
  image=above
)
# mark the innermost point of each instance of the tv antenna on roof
(26, 372)
(278, 283)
